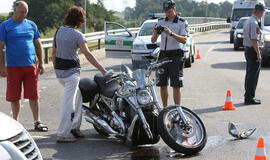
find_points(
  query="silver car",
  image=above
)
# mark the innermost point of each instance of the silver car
(238, 33)
(15, 142)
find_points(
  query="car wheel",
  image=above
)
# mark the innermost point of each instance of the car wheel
(231, 38)
(192, 56)
(235, 46)
(188, 61)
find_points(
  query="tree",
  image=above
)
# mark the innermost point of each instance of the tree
(2, 18)
(50, 14)
(188, 8)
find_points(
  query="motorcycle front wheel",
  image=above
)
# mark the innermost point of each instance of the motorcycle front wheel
(174, 133)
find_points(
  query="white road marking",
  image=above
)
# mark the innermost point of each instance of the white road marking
(40, 137)
(209, 50)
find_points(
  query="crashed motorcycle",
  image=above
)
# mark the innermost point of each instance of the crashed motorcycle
(126, 107)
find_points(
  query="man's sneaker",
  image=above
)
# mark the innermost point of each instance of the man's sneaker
(61, 139)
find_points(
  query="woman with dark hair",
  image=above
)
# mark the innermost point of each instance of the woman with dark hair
(67, 41)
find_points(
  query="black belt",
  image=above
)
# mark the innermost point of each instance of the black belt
(65, 64)
(172, 53)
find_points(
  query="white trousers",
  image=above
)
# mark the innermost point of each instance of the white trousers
(71, 111)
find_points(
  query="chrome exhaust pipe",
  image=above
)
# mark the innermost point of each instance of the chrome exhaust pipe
(95, 120)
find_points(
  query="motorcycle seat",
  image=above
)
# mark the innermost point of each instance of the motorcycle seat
(107, 89)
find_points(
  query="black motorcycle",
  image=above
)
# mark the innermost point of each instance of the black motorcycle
(127, 107)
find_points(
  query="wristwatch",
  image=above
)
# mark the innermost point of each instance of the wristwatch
(171, 34)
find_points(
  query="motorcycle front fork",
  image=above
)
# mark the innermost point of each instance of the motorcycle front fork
(179, 108)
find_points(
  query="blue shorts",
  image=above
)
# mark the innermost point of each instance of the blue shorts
(172, 71)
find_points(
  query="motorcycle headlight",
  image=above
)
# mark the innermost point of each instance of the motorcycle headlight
(143, 97)
(139, 46)
(267, 37)
(239, 35)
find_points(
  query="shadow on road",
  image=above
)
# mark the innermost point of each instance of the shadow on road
(215, 109)
(230, 65)
(94, 146)
(225, 50)
(234, 66)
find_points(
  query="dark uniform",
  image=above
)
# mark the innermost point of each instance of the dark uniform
(172, 49)
(252, 30)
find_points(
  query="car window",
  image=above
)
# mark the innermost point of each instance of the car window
(241, 24)
(116, 30)
(147, 29)
(239, 13)
(267, 19)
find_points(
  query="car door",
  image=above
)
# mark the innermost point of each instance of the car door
(118, 39)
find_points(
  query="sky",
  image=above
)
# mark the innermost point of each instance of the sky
(117, 5)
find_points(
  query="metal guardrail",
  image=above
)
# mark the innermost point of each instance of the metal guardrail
(98, 36)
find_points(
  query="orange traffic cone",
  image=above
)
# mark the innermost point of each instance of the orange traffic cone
(198, 55)
(228, 104)
(260, 152)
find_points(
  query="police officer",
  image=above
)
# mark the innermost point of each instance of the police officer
(173, 32)
(252, 34)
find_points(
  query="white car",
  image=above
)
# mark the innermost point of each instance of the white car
(119, 40)
(265, 43)
(15, 142)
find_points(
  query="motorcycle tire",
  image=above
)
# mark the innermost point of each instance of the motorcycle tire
(175, 137)
(101, 132)
(139, 136)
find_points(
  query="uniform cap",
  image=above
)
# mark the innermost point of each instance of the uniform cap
(168, 5)
(259, 7)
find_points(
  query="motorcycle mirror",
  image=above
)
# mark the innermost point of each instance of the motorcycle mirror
(233, 132)
(126, 70)
(156, 53)
(109, 73)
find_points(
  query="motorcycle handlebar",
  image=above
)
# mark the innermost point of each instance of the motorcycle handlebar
(158, 64)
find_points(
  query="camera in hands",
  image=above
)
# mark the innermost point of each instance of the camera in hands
(160, 29)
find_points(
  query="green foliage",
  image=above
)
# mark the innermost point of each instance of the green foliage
(188, 8)
(49, 15)
(2, 18)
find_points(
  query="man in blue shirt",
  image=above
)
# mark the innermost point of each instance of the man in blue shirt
(22, 40)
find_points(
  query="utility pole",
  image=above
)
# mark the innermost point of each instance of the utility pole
(206, 11)
(84, 7)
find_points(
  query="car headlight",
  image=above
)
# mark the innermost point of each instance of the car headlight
(143, 97)
(267, 37)
(239, 35)
(139, 46)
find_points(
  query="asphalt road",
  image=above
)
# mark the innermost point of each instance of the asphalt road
(205, 85)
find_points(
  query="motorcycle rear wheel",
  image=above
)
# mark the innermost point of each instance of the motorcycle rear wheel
(173, 134)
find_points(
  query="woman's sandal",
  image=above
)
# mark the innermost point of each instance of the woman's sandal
(77, 133)
(39, 126)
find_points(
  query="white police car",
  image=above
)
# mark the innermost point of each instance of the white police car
(265, 43)
(118, 40)
(15, 142)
